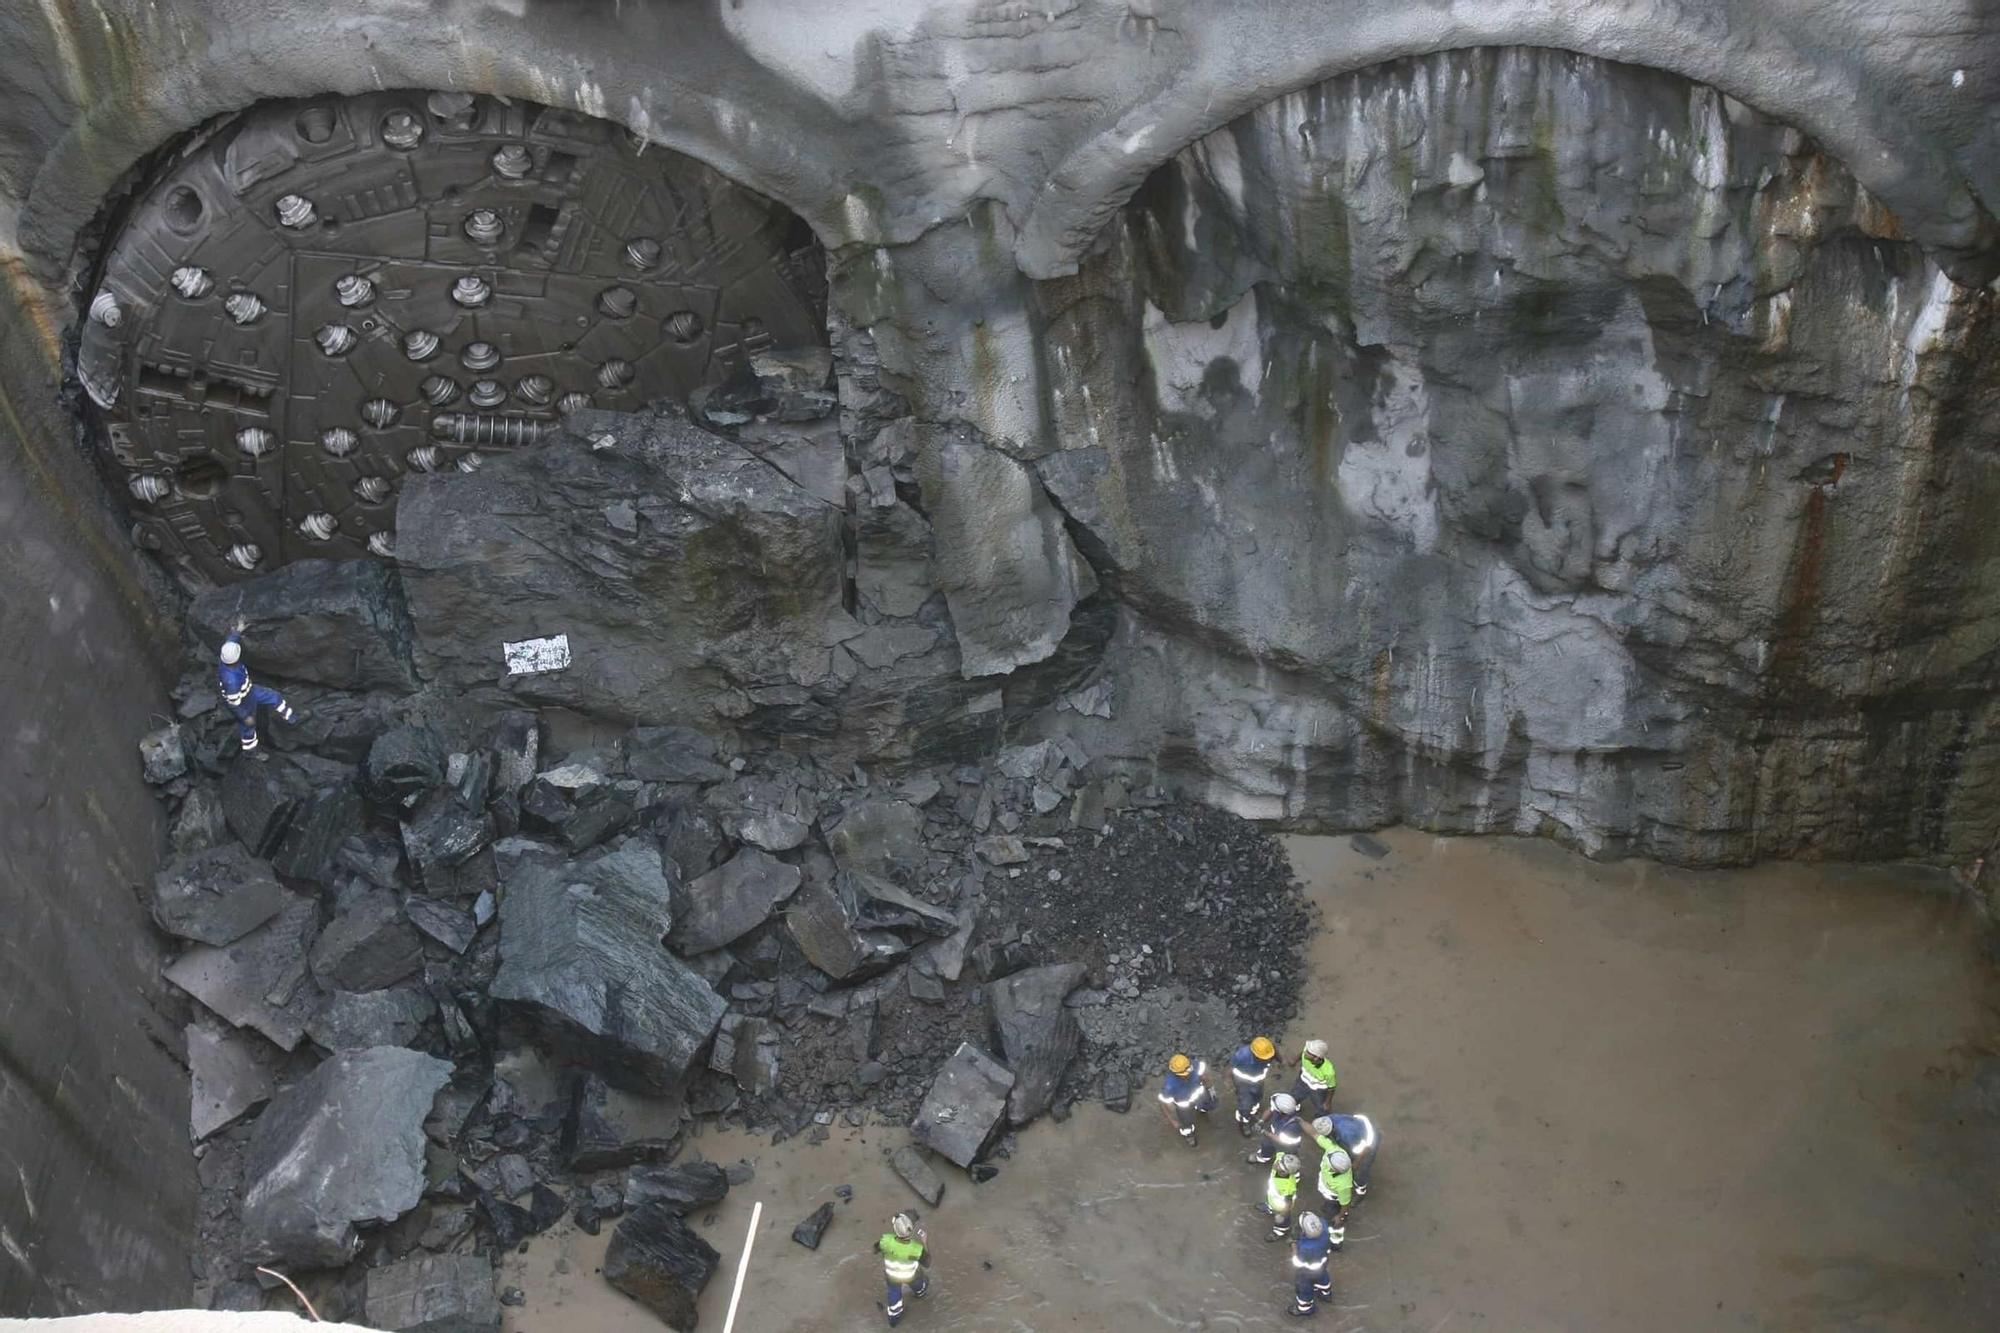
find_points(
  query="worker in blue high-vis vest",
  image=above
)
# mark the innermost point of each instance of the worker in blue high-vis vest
(1311, 1282)
(243, 695)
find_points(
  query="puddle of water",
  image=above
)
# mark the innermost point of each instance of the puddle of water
(1611, 1097)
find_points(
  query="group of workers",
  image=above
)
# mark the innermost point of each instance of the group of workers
(1346, 1145)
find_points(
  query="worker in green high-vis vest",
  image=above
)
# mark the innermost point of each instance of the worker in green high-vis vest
(1281, 1192)
(905, 1252)
(1313, 1090)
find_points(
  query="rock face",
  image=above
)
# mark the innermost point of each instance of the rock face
(658, 1262)
(1569, 406)
(332, 622)
(708, 581)
(580, 952)
(342, 1146)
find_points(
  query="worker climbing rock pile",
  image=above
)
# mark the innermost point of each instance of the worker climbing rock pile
(1300, 1138)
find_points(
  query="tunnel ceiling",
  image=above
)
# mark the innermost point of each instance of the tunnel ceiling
(320, 297)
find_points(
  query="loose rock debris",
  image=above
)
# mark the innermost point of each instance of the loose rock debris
(685, 930)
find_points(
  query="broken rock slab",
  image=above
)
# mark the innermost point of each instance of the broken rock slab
(368, 945)
(683, 1188)
(1038, 1035)
(881, 837)
(217, 896)
(259, 981)
(348, 1020)
(342, 1147)
(913, 1164)
(732, 900)
(258, 800)
(226, 1078)
(319, 826)
(438, 1293)
(967, 1103)
(332, 622)
(452, 926)
(403, 765)
(821, 921)
(656, 1260)
(672, 754)
(580, 955)
(810, 1232)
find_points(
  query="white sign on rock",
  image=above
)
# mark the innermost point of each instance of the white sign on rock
(530, 656)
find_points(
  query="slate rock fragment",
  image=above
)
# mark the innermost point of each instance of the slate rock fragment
(402, 767)
(350, 1020)
(376, 857)
(442, 1293)
(217, 896)
(683, 1187)
(259, 800)
(580, 954)
(656, 1260)
(821, 921)
(369, 944)
(810, 1232)
(914, 1166)
(321, 823)
(226, 1079)
(732, 900)
(200, 822)
(444, 831)
(450, 925)
(259, 981)
(341, 1147)
(1038, 1035)
(965, 1107)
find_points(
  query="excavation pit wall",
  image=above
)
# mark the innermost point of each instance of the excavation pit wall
(1836, 717)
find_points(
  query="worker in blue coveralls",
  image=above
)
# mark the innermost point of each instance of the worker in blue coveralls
(1250, 1066)
(243, 696)
(1310, 1279)
(1356, 1134)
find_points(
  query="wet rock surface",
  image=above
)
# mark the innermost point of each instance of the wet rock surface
(656, 1260)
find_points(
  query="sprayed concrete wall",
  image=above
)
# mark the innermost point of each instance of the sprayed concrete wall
(96, 1185)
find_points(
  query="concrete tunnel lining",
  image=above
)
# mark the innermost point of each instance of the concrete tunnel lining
(599, 62)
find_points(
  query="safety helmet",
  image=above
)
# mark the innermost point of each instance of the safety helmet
(1316, 1049)
(1284, 1104)
(903, 1225)
(231, 652)
(1310, 1224)
(1263, 1048)
(1338, 1159)
(1288, 1165)
(1180, 1064)
(1324, 1126)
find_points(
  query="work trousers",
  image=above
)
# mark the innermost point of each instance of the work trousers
(1313, 1102)
(1308, 1286)
(261, 696)
(894, 1305)
(1249, 1102)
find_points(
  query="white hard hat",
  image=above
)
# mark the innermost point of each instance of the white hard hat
(903, 1225)
(1283, 1103)
(1324, 1126)
(1316, 1049)
(1339, 1161)
(232, 652)
(1288, 1165)
(1310, 1224)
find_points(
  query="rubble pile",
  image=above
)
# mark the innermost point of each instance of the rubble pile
(401, 896)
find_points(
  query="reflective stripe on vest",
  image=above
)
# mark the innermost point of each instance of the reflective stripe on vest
(1316, 1074)
(1310, 1265)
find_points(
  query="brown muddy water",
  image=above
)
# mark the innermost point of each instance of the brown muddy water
(1610, 1097)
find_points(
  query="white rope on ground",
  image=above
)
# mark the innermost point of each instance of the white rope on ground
(743, 1267)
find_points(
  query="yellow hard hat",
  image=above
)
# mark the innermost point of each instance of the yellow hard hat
(1262, 1048)
(1180, 1064)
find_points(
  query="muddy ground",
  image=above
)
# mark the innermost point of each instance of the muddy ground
(1611, 1097)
